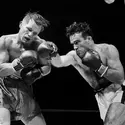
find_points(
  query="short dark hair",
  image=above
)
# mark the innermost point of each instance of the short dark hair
(39, 20)
(83, 28)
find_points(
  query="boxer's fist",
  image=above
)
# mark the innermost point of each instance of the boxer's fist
(27, 59)
(81, 51)
(92, 59)
(30, 75)
(53, 47)
(47, 50)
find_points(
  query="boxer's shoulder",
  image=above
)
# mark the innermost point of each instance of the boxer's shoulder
(39, 40)
(6, 40)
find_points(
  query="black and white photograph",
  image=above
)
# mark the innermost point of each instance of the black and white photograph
(62, 63)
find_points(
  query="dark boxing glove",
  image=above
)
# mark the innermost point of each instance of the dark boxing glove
(30, 75)
(92, 59)
(27, 59)
(47, 50)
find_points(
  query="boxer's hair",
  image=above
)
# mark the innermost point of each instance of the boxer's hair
(79, 28)
(39, 20)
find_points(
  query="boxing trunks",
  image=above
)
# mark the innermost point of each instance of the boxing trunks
(18, 97)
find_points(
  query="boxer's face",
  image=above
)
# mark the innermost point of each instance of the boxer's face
(77, 40)
(28, 31)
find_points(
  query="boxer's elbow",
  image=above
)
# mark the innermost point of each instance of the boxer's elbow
(6, 69)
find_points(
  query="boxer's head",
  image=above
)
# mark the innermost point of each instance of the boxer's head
(80, 35)
(31, 25)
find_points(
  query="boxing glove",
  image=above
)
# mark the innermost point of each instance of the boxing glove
(27, 59)
(47, 50)
(30, 75)
(92, 59)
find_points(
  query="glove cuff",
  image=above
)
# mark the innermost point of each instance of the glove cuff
(41, 75)
(17, 64)
(102, 70)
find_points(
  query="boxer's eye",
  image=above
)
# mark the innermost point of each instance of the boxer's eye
(76, 42)
(35, 33)
(29, 29)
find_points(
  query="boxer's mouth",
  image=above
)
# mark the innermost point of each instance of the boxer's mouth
(26, 39)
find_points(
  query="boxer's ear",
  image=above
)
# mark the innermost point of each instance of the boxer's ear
(20, 24)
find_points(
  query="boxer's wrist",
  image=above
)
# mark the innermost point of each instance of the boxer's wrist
(102, 70)
(17, 65)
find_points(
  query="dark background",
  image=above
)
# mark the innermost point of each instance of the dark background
(63, 95)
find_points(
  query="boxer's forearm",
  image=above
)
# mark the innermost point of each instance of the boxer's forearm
(6, 69)
(56, 61)
(63, 60)
(45, 70)
(115, 76)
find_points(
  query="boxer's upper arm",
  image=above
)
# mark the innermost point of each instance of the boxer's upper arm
(4, 57)
(115, 71)
(68, 59)
(6, 68)
(3, 51)
(113, 58)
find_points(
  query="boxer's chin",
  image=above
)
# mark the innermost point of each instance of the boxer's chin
(26, 44)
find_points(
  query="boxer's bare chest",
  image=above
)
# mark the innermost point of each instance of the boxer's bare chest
(14, 50)
(102, 50)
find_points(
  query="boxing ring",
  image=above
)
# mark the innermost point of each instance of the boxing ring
(69, 117)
